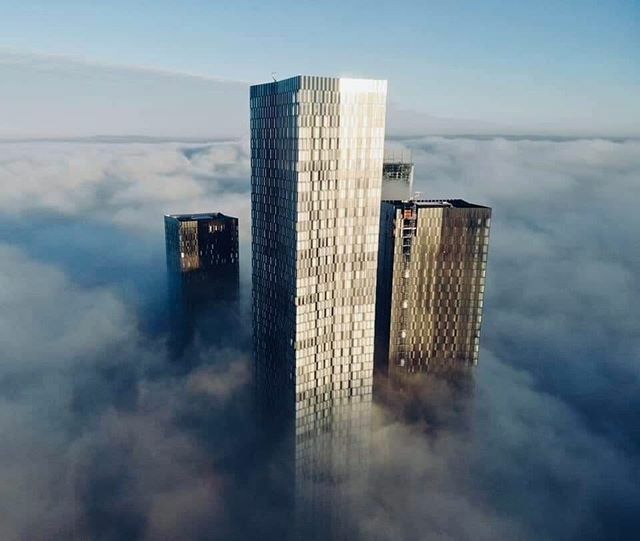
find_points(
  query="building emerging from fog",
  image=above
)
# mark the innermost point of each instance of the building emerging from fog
(397, 177)
(203, 271)
(431, 276)
(317, 148)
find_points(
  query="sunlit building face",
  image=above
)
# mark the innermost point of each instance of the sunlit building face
(317, 147)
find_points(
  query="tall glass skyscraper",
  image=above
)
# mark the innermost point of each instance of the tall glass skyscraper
(317, 147)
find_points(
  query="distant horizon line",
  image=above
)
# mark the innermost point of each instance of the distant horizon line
(150, 139)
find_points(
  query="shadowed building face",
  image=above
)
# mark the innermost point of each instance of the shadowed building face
(203, 272)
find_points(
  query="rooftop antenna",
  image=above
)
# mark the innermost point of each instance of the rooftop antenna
(273, 76)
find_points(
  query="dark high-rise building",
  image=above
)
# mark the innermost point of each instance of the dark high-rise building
(397, 177)
(203, 272)
(431, 276)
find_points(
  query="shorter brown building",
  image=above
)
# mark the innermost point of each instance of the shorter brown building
(431, 276)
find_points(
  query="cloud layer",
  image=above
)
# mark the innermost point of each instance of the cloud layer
(107, 442)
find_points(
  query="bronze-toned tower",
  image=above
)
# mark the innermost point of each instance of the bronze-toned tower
(431, 276)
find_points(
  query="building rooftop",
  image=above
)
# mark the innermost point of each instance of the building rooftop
(199, 216)
(314, 82)
(397, 161)
(394, 156)
(426, 203)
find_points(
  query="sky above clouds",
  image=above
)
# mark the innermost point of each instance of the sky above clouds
(107, 442)
(491, 67)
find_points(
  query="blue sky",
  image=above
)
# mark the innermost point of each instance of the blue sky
(571, 66)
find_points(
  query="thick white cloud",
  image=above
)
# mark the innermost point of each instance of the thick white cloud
(48, 321)
(131, 185)
(68, 454)
(565, 219)
(556, 392)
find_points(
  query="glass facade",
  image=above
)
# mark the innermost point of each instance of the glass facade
(203, 273)
(397, 179)
(317, 148)
(431, 278)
